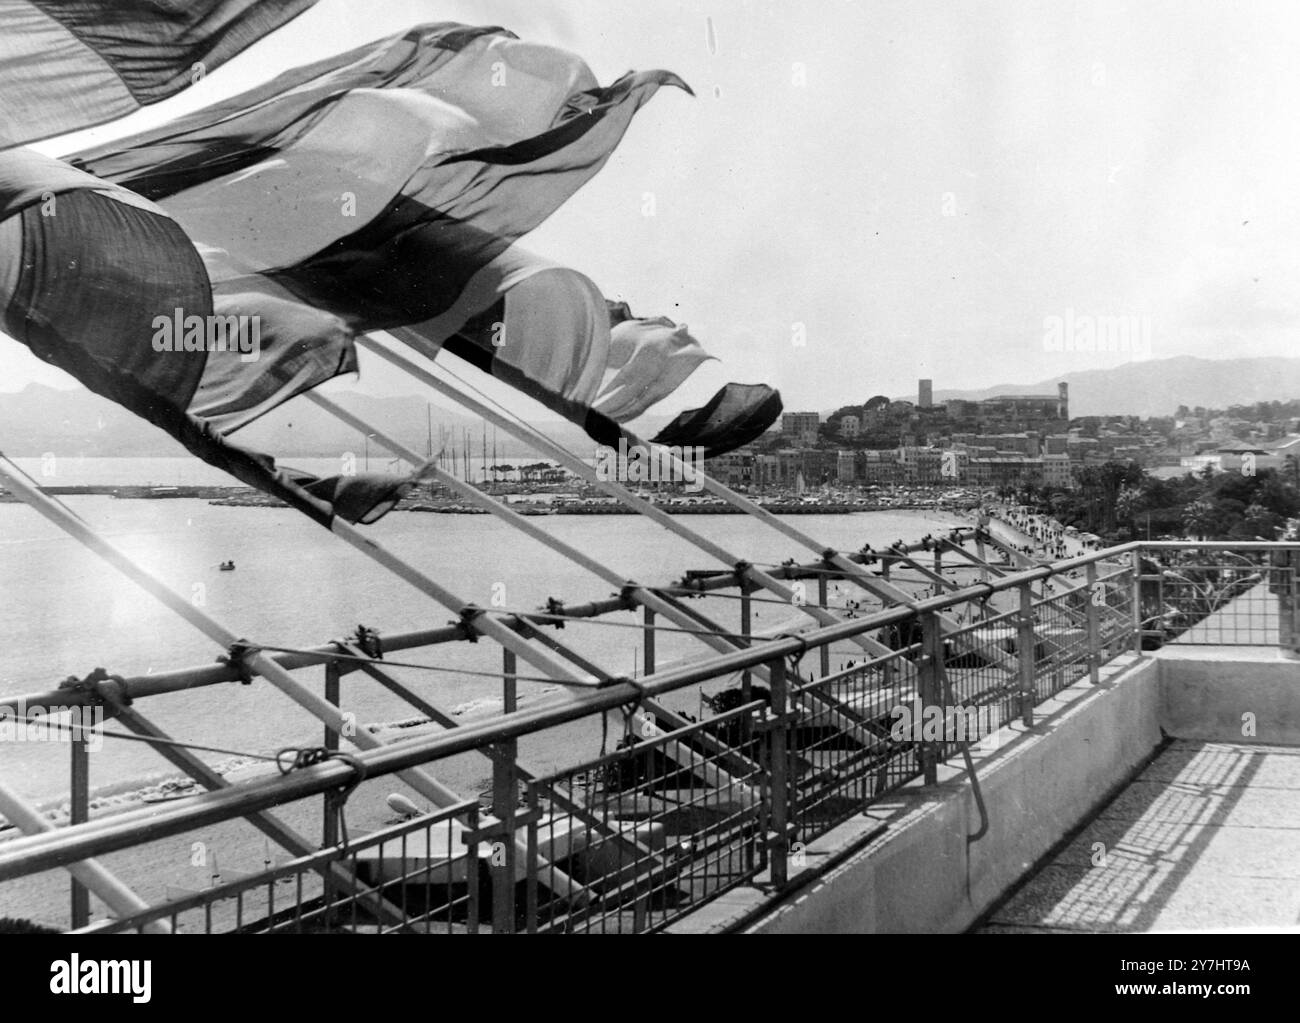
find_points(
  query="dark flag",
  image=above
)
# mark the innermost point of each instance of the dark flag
(93, 279)
(72, 64)
(551, 334)
(367, 191)
(737, 415)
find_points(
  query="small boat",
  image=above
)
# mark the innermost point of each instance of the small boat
(227, 566)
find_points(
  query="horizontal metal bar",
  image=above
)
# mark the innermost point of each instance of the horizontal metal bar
(180, 679)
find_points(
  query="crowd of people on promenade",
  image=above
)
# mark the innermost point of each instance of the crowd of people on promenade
(1050, 536)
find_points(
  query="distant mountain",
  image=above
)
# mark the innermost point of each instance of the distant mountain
(75, 422)
(1157, 387)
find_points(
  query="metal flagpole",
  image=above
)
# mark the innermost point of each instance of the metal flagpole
(472, 493)
(524, 525)
(902, 671)
(698, 623)
(117, 896)
(427, 786)
(619, 492)
(483, 622)
(853, 572)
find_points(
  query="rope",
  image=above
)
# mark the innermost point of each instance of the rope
(730, 596)
(803, 649)
(541, 617)
(628, 710)
(311, 756)
(357, 659)
(156, 740)
(289, 759)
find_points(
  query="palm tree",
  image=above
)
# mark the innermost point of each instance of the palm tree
(1293, 463)
(1259, 521)
(1128, 504)
(1198, 518)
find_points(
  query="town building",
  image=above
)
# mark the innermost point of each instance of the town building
(800, 428)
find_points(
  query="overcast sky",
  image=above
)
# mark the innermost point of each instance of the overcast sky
(918, 184)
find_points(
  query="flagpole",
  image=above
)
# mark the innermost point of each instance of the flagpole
(642, 595)
(851, 570)
(902, 670)
(524, 525)
(882, 590)
(423, 783)
(482, 621)
(615, 490)
(90, 872)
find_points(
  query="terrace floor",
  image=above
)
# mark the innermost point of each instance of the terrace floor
(1207, 837)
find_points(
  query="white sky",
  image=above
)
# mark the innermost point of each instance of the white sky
(1101, 157)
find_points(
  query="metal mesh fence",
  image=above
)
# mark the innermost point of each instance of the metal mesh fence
(667, 821)
(419, 876)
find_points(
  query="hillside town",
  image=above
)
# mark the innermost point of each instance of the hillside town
(1006, 441)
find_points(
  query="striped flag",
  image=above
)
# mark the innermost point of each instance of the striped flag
(546, 330)
(367, 191)
(387, 187)
(103, 284)
(72, 64)
(384, 188)
(649, 359)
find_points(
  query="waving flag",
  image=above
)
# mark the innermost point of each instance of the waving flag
(367, 191)
(71, 64)
(735, 416)
(546, 330)
(384, 189)
(649, 359)
(94, 279)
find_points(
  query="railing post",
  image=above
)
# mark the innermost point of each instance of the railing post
(649, 641)
(505, 807)
(530, 879)
(746, 678)
(746, 628)
(1139, 626)
(823, 598)
(778, 763)
(930, 680)
(330, 820)
(79, 813)
(1026, 654)
(329, 801)
(1092, 611)
(1288, 629)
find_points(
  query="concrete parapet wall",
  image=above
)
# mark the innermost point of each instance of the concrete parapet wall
(1230, 694)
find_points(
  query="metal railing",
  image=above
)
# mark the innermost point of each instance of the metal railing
(419, 876)
(683, 811)
(1223, 595)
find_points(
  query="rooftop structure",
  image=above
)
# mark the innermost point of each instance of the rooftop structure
(594, 845)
